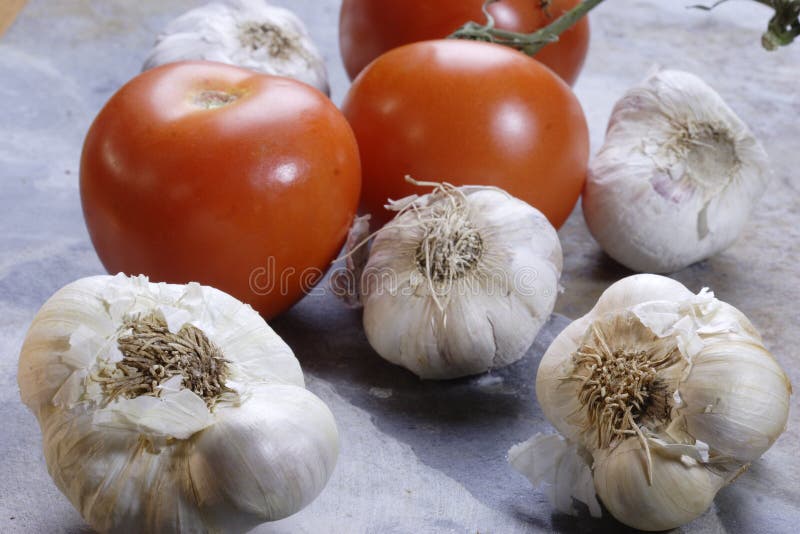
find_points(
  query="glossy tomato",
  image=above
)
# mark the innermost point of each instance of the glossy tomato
(466, 112)
(208, 172)
(368, 28)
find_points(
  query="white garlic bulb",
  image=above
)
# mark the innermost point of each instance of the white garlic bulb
(169, 408)
(247, 33)
(677, 177)
(663, 397)
(460, 281)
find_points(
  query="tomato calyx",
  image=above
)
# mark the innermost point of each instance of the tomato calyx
(528, 43)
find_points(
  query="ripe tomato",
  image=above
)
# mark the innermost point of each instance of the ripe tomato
(208, 172)
(466, 112)
(368, 28)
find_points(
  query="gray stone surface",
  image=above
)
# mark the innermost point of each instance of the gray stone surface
(416, 457)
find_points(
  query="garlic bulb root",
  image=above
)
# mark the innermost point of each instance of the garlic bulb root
(664, 395)
(677, 177)
(247, 33)
(153, 354)
(617, 366)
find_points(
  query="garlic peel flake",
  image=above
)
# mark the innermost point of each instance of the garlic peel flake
(553, 462)
(680, 492)
(175, 414)
(168, 408)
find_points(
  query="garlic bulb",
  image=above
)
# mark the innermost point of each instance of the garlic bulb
(247, 33)
(677, 177)
(168, 408)
(460, 281)
(662, 397)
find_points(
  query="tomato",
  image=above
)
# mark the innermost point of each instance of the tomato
(206, 172)
(466, 112)
(368, 28)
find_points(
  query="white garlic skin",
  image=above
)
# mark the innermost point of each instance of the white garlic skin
(169, 464)
(730, 401)
(233, 32)
(481, 329)
(677, 177)
(680, 494)
(736, 398)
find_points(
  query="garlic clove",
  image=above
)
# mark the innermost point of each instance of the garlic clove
(109, 475)
(247, 33)
(684, 489)
(512, 325)
(477, 333)
(466, 336)
(677, 177)
(402, 331)
(483, 333)
(50, 333)
(736, 399)
(637, 289)
(286, 463)
(513, 224)
(260, 354)
(556, 396)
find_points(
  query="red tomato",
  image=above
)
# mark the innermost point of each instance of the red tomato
(466, 112)
(208, 172)
(368, 28)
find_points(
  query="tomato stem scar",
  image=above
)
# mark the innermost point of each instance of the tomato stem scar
(214, 99)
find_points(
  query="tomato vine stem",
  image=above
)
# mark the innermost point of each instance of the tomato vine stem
(783, 27)
(529, 43)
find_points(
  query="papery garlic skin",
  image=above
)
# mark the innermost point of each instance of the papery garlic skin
(681, 492)
(677, 177)
(247, 33)
(713, 400)
(169, 463)
(563, 465)
(489, 313)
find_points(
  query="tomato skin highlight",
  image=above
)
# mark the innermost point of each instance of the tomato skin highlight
(467, 113)
(369, 28)
(206, 172)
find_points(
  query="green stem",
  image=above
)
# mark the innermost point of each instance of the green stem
(530, 43)
(783, 28)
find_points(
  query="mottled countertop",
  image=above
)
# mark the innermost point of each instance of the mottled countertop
(416, 457)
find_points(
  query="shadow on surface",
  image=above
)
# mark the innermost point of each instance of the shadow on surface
(461, 427)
